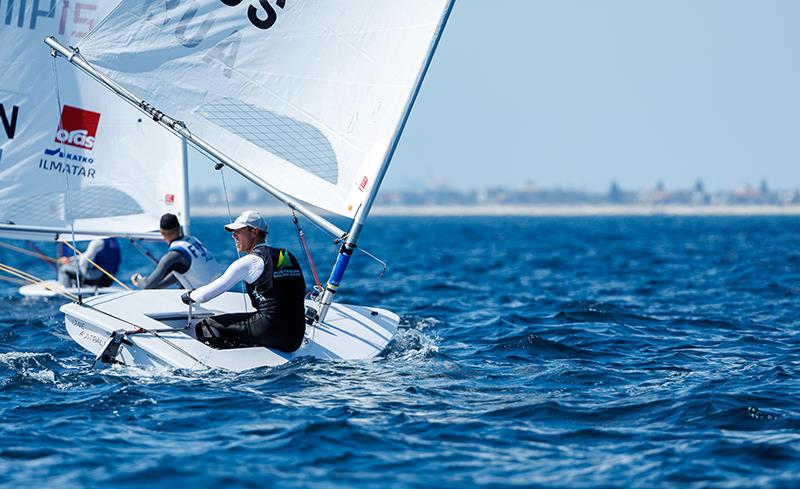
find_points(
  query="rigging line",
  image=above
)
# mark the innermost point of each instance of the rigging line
(19, 273)
(144, 251)
(308, 258)
(358, 248)
(59, 289)
(189, 322)
(179, 128)
(310, 263)
(35, 248)
(108, 274)
(66, 175)
(140, 330)
(36, 253)
(336, 240)
(385, 266)
(221, 168)
(14, 280)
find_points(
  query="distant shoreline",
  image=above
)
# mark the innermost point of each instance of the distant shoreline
(536, 210)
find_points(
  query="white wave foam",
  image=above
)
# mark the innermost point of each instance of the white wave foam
(43, 376)
(412, 343)
(421, 323)
(23, 355)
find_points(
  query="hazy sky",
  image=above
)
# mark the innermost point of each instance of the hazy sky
(567, 93)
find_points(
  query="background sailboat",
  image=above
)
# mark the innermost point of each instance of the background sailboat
(77, 158)
(307, 99)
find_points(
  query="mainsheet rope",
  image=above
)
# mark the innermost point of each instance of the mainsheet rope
(140, 330)
(33, 247)
(358, 249)
(14, 280)
(37, 254)
(28, 278)
(143, 251)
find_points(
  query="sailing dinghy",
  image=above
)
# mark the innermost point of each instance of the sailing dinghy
(305, 98)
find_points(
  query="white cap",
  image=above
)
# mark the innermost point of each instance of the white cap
(252, 219)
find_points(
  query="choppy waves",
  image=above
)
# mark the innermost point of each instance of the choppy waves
(532, 352)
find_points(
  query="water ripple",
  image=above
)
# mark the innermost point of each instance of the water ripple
(533, 352)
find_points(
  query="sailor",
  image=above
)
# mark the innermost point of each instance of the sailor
(187, 262)
(276, 288)
(104, 252)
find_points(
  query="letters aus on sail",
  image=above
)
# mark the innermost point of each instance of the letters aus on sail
(306, 93)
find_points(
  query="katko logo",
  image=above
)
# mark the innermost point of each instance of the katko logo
(78, 127)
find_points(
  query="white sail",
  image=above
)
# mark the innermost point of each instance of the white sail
(122, 170)
(307, 93)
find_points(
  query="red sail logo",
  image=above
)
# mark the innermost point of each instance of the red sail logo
(78, 127)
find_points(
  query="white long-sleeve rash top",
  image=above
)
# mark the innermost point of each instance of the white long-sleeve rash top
(247, 268)
(91, 252)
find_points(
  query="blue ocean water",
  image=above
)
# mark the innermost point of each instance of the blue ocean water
(544, 352)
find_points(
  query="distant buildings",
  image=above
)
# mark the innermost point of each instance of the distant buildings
(528, 194)
(697, 195)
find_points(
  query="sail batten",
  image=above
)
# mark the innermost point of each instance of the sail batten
(307, 95)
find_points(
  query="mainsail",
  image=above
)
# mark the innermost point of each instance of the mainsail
(77, 157)
(307, 93)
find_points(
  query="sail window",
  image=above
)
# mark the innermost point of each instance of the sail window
(297, 142)
(87, 203)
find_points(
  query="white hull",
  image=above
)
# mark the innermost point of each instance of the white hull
(51, 288)
(349, 332)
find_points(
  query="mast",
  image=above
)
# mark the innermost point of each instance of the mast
(178, 128)
(187, 229)
(349, 245)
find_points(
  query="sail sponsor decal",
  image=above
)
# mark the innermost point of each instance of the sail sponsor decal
(73, 18)
(55, 160)
(78, 128)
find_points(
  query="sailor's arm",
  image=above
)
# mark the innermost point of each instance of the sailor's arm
(245, 268)
(91, 252)
(172, 261)
(170, 280)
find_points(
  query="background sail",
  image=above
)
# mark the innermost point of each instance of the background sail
(306, 93)
(123, 172)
